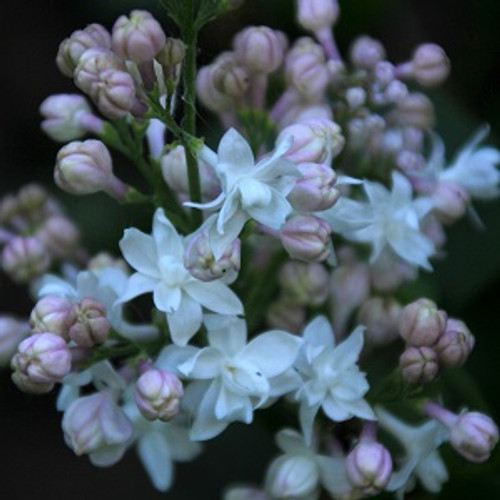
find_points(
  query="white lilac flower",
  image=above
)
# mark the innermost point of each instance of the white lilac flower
(105, 285)
(249, 190)
(332, 379)
(159, 261)
(422, 460)
(388, 220)
(159, 444)
(230, 377)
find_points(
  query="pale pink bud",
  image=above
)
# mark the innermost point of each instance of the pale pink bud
(415, 110)
(395, 92)
(115, 94)
(59, 235)
(259, 49)
(456, 343)
(314, 191)
(450, 201)
(25, 258)
(32, 201)
(84, 168)
(12, 332)
(158, 395)
(42, 358)
(381, 317)
(138, 38)
(72, 48)
(422, 324)
(230, 78)
(384, 73)
(95, 423)
(208, 95)
(52, 314)
(419, 364)
(104, 260)
(302, 112)
(68, 117)
(172, 53)
(307, 237)
(89, 325)
(369, 467)
(304, 283)
(201, 263)
(292, 476)
(285, 314)
(430, 65)
(92, 63)
(367, 52)
(315, 140)
(317, 15)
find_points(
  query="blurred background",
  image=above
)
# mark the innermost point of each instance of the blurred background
(36, 461)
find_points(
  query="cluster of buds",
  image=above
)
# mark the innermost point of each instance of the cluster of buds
(432, 341)
(34, 233)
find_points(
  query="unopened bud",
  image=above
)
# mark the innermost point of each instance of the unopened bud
(41, 360)
(158, 395)
(430, 65)
(172, 53)
(419, 364)
(369, 467)
(72, 48)
(415, 110)
(59, 235)
(367, 52)
(12, 332)
(115, 95)
(208, 95)
(317, 15)
(230, 78)
(381, 317)
(285, 314)
(307, 237)
(305, 283)
(259, 49)
(456, 343)
(314, 191)
(89, 325)
(138, 38)
(315, 140)
(422, 324)
(51, 314)
(450, 201)
(25, 258)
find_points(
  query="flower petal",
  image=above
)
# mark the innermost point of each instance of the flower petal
(154, 452)
(166, 238)
(166, 298)
(137, 284)
(215, 296)
(139, 251)
(186, 321)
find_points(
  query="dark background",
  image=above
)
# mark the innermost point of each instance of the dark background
(35, 461)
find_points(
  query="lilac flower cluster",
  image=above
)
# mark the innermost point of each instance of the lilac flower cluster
(263, 255)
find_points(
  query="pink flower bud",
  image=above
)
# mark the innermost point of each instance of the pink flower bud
(138, 38)
(158, 395)
(416, 110)
(72, 48)
(307, 237)
(172, 53)
(115, 94)
(89, 324)
(285, 314)
(85, 168)
(315, 140)
(12, 332)
(95, 423)
(369, 467)
(304, 283)
(456, 343)
(317, 15)
(367, 52)
(42, 358)
(52, 314)
(381, 317)
(201, 263)
(208, 95)
(430, 65)
(230, 78)
(32, 201)
(259, 49)
(419, 364)
(68, 117)
(450, 201)
(422, 324)
(314, 191)
(59, 235)
(25, 258)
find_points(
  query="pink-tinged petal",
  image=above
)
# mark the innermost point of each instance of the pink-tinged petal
(274, 214)
(226, 333)
(154, 452)
(205, 364)
(234, 155)
(215, 296)
(167, 241)
(139, 251)
(186, 321)
(272, 352)
(137, 284)
(167, 299)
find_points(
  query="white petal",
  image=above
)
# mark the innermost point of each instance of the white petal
(220, 242)
(205, 364)
(154, 453)
(413, 247)
(181, 447)
(215, 296)
(167, 241)
(307, 414)
(108, 455)
(273, 352)
(290, 441)
(275, 213)
(284, 383)
(172, 356)
(231, 407)
(333, 474)
(186, 321)
(234, 155)
(137, 284)
(139, 251)
(334, 410)
(226, 333)
(319, 332)
(347, 352)
(166, 298)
